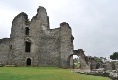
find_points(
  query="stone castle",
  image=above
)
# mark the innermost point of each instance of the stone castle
(33, 43)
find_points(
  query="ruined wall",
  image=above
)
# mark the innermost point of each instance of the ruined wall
(4, 51)
(66, 48)
(84, 64)
(82, 58)
(93, 63)
(116, 65)
(108, 66)
(49, 47)
(18, 39)
(38, 28)
(113, 65)
(34, 43)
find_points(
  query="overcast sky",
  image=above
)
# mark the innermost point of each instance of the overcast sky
(94, 23)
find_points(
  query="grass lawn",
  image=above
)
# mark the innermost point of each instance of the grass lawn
(77, 64)
(43, 73)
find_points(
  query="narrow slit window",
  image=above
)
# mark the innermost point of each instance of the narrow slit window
(27, 46)
(27, 31)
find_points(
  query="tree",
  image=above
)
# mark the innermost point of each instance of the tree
(76, 60)
(114, 56)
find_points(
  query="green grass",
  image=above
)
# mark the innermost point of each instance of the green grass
(43, 73)
(77, 64)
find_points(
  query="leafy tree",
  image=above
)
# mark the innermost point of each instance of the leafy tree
(114, 56)
(76, 60)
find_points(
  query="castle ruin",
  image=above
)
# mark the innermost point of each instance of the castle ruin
(33, 43)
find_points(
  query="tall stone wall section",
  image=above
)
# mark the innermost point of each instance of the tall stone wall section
(66, 48)
(38, 25)
(18, 39)
(4, 51)
(50, 48)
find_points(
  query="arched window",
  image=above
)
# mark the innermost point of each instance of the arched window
(27, 31)
(27, 46)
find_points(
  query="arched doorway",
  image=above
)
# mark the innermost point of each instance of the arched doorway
(28, 62)
(83, 61)
(73, 61)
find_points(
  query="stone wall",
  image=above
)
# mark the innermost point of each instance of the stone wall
(116, 65)
(46, 47)
(113, 65)
(84, 63)
(4, 51)
(66, 44)
(95, 62)
(50, 48)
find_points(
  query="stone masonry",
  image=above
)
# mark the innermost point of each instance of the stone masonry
(33, 43)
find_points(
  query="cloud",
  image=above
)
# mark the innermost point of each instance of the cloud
(93, 22)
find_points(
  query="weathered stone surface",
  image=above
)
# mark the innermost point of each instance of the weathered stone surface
(4, 50)
(48, 47)
(82, 58)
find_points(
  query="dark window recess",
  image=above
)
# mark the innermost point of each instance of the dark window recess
(27, 46)
(28, 63)
(27, 31)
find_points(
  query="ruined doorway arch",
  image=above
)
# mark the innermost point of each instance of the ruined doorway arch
(71, 61)
(28, 62)
(82, 59)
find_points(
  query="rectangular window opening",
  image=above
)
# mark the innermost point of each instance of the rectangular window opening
(27, 46)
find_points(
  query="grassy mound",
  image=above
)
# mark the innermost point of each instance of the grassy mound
(43, 73)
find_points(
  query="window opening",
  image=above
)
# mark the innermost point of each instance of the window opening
(27, 31)
(27, 46)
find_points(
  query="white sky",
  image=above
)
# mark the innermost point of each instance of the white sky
(93, 22)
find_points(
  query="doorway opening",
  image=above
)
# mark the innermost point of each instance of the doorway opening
(28, 63)
(73, 62)
(76, 61)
